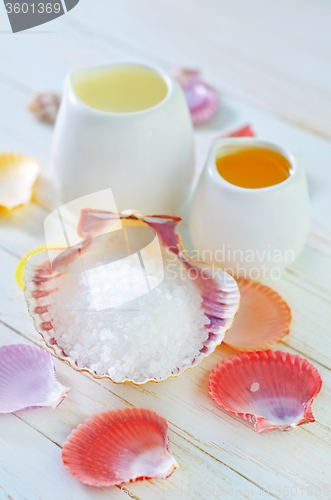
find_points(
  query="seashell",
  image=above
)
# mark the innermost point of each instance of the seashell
(263, 318)
(19, 271)
(272, 390)
(202, 99)
(28, 379)
(18, 173)
(45, 106)
(245, 131)
(118, 447)
(219, 291)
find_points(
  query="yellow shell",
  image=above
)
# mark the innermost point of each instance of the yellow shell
(19, 271)
(18, 173)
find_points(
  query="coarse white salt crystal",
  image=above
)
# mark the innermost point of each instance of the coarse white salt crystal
(151, 336)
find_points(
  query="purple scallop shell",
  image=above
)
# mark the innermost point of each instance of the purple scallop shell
(28, 379)
(202, 99)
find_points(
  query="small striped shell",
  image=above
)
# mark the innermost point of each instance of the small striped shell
(45, 106)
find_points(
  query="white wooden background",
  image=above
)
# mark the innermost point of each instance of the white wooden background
(271, 62)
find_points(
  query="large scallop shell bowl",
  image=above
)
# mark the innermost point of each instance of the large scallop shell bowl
(118, 447)
(272, 390)
(126, 302)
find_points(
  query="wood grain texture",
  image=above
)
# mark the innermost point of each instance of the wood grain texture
(262, 57)
(223, 441)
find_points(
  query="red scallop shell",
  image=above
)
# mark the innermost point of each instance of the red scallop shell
(118, 447)
(245, 131)
(263, 319)
(272, 390)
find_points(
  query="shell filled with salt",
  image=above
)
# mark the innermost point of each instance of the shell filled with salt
(129, 304)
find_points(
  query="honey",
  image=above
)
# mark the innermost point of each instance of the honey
(253, 167)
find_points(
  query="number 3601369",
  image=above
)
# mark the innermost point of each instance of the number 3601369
(33, 8)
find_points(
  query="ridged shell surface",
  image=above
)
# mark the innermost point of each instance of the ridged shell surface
(119, 447)
(263, 319)
(28, 379)
(273, 390)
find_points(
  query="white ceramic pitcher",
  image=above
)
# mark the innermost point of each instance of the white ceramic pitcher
(145, 157)
(252, 233)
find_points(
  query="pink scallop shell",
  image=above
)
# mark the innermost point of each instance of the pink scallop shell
(118, 447)
(272, 390)
(202, 99)
(263, 319)
(28, 379)
(218, 290)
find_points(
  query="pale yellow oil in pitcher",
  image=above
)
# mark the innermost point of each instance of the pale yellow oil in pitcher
(121, 89)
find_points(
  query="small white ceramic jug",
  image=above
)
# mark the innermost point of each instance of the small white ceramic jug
(145, 157)
(252, 233)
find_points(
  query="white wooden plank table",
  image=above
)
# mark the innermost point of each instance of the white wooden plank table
(270, 61)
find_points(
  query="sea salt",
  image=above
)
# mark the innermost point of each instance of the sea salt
(149, 337)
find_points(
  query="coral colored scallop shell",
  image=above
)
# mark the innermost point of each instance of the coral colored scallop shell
(219, 291)
(119, 447)
(28, 379)
(263, 318)
(202, 99)
(272, 390)
(45, 106)
(18, 173)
